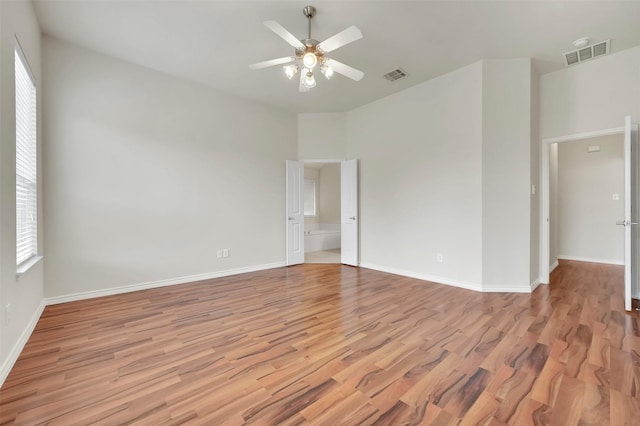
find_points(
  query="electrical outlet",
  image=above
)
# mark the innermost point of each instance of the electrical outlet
(7, 314)
(220, 254)
(225, 252)
(439, 258)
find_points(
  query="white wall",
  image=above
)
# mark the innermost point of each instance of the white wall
(314, 174)
(506, 174)
(594, 95)
(587, 214)
(17, 19)
(420, 155)
(322, 136)
(553, 204)
(329, 194)
(535, 166)
(146, 175)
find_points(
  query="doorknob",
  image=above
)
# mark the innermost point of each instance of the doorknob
(352, 218)
(291, 218)
(625, 223)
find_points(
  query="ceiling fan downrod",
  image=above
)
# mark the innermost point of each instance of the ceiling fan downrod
(309, 12)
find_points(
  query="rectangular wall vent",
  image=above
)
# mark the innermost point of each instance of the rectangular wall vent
(396, 74)
(587, 53)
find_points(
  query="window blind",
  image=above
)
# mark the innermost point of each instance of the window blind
(26, 162)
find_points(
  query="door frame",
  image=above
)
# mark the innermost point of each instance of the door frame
(545, 195)
(330, 161)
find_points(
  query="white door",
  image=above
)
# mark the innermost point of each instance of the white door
(295, 213)
(349, 211)
(630, 210)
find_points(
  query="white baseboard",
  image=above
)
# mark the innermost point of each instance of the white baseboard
(591, 259)
(534, 284)
(510, 289)
(528, 288)
(161, 283)
(8, 363)
(421, 276)
(553, 266)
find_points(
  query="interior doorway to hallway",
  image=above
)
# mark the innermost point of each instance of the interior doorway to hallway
(631, 208)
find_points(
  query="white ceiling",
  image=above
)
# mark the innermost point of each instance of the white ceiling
(213, 42)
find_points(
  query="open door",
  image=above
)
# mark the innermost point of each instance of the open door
(295, 213)
(630, 210)
(349, 212)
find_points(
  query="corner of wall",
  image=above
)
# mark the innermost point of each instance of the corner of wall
(17, 19)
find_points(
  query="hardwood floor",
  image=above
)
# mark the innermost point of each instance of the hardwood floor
(329, 344)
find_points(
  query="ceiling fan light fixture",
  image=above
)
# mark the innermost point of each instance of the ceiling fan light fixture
(290, 70)
(309, 53)
(309, 80)
(309, 60)
(327, 71)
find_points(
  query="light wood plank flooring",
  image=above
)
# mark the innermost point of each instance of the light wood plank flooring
(331, 344)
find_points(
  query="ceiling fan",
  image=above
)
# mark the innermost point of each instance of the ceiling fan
(310, 53)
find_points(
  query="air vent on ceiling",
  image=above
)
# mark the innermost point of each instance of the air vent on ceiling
(396, 74)
(586, 53)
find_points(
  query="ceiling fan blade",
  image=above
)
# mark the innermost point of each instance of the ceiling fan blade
(272, 62)
(345, 70)
(302, 87)
(343, 37)
(286, 35)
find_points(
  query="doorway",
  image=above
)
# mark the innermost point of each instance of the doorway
(586, 200)
(322, 242)
(322, 212)
(631, 208)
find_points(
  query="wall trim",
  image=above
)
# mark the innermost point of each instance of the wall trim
(160, 283)
(590, 259)
(446, 281)
(421, 276)
(8, 363)
(534, 284)
(553, 266)
(545, 255)
(511, 289)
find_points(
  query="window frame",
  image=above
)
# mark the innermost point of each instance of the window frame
(26, 161)
(315, 203)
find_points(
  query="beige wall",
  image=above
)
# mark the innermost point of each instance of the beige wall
(534, 144)
(329, 195)
(420, 153)
(433, 161)
(314, 174)
(553, 204)
(587, 214)
(594, 95)
(17, 20)
(506, 174)
(147, 176)
(322, 136)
